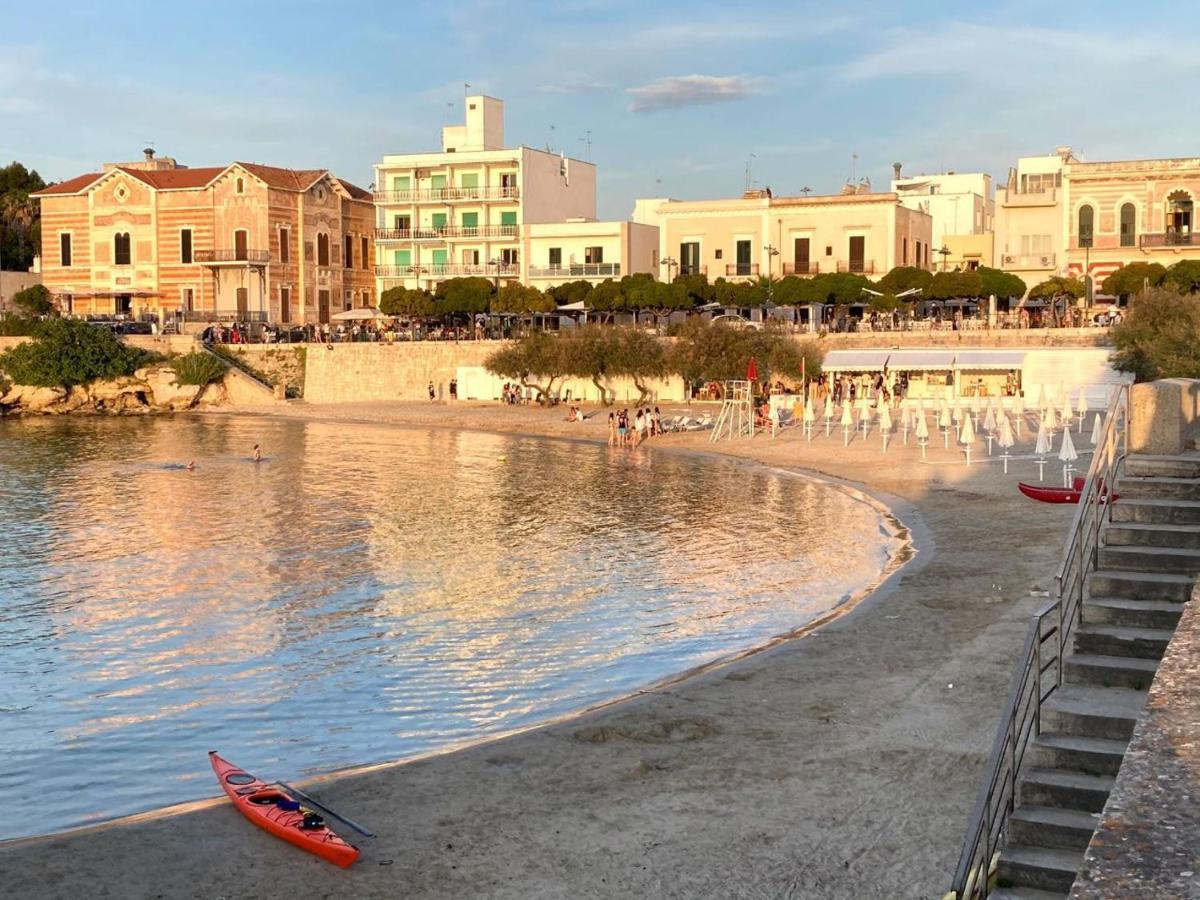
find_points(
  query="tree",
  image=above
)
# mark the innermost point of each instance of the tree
(793, 291)
(590, 352)
(1132, 278)
(739, 294)
(1058, 292)
(696, 288)
(463, 295)
(67, 352)
(1000, 284)
(533, 358)
(408, 302)
(638, 356)
(571, 292)
(1158, 337)
(955, 286)
(607, 298)
(33, 301)
(720, 352)
(905, 278)
(1184, 276)
(20, 217)
(838, 288)
(520, 300)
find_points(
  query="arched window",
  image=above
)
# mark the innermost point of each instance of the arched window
(240, 186)
(1128, 224)
(121, 255)
(1087, 218)
(322, 249)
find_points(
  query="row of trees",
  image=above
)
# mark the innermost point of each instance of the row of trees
(20, 217)
(703, 351)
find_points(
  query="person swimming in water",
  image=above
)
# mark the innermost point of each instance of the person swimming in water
(191, 467)
(257, 454)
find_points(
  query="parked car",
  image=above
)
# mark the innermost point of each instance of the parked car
(736, 322)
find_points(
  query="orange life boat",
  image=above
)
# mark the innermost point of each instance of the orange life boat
(274, 810)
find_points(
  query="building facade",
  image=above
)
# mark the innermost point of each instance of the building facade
(760, 235)
(591, 251)
(1030, 235)
(240, 242)
(963, 212)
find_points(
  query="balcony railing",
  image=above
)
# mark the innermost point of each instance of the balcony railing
(1171, 239)
(741, 269)
(1047, 197)
(1020, 261)
(577, 270)
(857, 266)
(802, 268)
(256, 257)
(448, 270)
(693, 270)
(449, 194)
(442, 232)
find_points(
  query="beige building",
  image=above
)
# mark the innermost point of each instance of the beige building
(963, 213)
(243, 241)
(586, 250)
(13, 282)
(1059, 215)
(758, 235)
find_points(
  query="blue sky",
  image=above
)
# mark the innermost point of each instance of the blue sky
(676, 95)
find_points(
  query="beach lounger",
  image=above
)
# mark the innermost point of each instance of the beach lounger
(682, 423)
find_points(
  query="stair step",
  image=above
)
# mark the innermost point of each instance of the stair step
(1065, 789)
(1109, 671)
(1089, 755)
(1025, 893)
(1092, 711)
(1122, 640)
(1141, 585)
(1052, 826)
(1185, 466)
(1151, 534)
(1045, 868)
(1160, 486)
(1182, 560)
(1149, 510)
(1138, 613)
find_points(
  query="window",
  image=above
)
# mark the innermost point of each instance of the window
(828, 250)
(366, 256)
(187, 299)
(439, 221)
(742, 254)
(593, 255)
(241, 244)
(508, 257)
(1087, 217)
(555, 257)
(441, 258)
(402, 259)
(470, 257)
(1128, 224)
(719, 254)
(348, 258)
(285, 245)
(401, 184)
(800, 254)
(185, 245)
(508, 184)
(348, 302)
(64, 249)
(240, 186)
(470, 184)
(121, 249)
(508, 222)
(322, 249)
(858, 251)
(689, 258)
(402, 223)
(470, 222)
(285, 304)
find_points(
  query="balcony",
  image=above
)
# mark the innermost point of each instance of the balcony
(741, 270)
(693, 270)
(441, 233)
(1170, 240)
(577, 270)
(1048, 197)
(449, 195)
(448, 270)
(236, 257)
(857, 266)
(801, 268)
(1016, 262)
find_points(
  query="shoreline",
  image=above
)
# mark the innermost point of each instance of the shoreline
(580, 763)
(904, 554)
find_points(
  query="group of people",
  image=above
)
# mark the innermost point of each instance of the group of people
(624, 432)
(511, 395)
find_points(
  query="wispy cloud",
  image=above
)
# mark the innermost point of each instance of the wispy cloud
(691, 90)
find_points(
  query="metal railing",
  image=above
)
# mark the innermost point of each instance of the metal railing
(510, 192)
(447, 270)
(577, 270)
(1171, 239)
(441, 232)
(857, 266)
(812, 267)
(234, 256)
(1039, 672)
(742, 269)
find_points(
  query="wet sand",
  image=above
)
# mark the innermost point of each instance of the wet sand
(842, 763)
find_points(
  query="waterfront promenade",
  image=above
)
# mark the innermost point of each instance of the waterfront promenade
(841, 764)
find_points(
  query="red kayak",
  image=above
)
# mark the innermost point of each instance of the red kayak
(272, 809)
(1051, 494)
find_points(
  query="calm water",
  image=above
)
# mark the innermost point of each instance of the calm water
(365, 593)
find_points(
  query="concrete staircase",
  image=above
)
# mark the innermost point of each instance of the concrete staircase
(1144, 573)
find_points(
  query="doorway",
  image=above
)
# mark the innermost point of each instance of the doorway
(243, 303)
(123, 304)
(858, 253)
(323, 307)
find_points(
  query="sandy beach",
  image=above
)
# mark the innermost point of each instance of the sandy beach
(839, 763)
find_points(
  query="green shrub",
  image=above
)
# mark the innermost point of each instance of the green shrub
(33, 301)
(14, 325)
(66, 352)
(198, 368)
(1158, 339)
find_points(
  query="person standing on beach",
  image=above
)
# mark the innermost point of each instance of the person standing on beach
(612, 429)
(453, 388)
(432, 393)
(257, 453)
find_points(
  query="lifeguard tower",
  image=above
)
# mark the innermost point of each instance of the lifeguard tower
(736, 418)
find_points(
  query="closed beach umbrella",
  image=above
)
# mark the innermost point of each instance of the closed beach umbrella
(1043, 445)
(967, 437)
(847, 421)
(1066, 413)
(809, 415)
(1081, 407)
(989, 419)
(1005, 437)
(944, 417)
(1096, 429)
(1067, 455)
(922, 427)
(1019, 405)
(885, 418)
(829, 406)
(1042, 400)
(957, 414)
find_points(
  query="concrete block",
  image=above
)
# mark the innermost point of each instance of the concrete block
(1164, 416)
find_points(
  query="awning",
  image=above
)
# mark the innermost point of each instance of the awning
(855, 360)
(991, 359)
(921, 360)
(577, 306)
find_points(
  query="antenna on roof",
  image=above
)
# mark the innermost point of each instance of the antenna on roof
(587, 140)
(806, 190)
(750, 170)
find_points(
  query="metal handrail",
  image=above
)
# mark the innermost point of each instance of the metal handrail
(1039, 671)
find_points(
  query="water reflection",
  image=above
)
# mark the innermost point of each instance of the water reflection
(365, 593)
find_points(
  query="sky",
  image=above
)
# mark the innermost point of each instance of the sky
(676, 99)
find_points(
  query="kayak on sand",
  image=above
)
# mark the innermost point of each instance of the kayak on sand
(276, 811)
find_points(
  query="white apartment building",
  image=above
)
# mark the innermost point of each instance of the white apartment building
(962, 209)
(1031, 227)
(479, 208)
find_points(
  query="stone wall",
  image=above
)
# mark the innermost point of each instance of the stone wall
(1164, 416)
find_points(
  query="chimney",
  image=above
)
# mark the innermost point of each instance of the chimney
(896, 171)
(149, 151)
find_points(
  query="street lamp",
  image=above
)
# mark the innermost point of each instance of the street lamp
(945, 252)
(668, 262)
(770, 251)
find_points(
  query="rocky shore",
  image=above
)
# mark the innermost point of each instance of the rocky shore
(149, 390)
